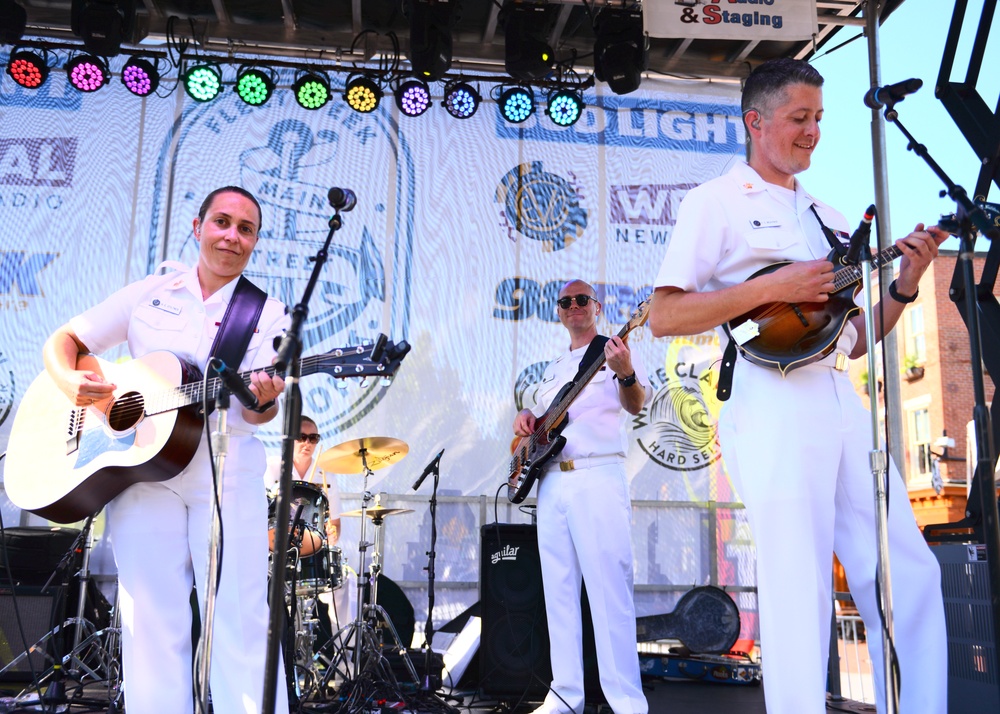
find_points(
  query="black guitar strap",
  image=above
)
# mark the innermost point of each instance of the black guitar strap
(839, 248)
(593, 351)
(239, 323)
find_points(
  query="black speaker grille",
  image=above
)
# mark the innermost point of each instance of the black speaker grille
(39, 613)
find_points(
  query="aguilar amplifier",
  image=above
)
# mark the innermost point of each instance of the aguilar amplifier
(26, 615)
(973, 678)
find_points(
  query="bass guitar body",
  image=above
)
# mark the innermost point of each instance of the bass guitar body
(786, 336)
(66, 462)
(531, 454)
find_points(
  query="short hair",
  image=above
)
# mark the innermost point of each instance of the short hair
(310, 420)
(231, 189)
(765, 88)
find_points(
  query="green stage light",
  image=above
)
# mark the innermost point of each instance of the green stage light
(253, 85)
(565, 107)
(202, 82)
(312, 91)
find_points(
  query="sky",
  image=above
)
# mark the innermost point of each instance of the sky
(912, 45)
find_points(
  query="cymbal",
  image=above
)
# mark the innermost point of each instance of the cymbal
(379, 452)
(378, 512)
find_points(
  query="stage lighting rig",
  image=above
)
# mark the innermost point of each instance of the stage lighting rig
(202, 81)
(13, 20)
(28, 69)
(527, 53)
(431, 23)
(413, 97)
(516, 104)
(87, 73)
(621, 49)
(362, 94)
(254, 85)
(461, 99)
(140, 76)
(565, 106)
(312, 91)
(103, 24)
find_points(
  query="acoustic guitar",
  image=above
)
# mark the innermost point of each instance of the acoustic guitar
(66, 462)
(531, 453)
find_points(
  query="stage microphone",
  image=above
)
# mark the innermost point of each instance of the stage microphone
(342, 199)
(860, 238)
(235, 384)
(433, 466)
(878, 97)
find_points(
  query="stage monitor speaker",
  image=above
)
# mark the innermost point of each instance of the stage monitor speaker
(39, 613)
(32, 554)
(514, 645)
(973, 676)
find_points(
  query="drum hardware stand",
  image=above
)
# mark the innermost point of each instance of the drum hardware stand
(429, 685)
(289, 354)
(366, 642)
(94, 653)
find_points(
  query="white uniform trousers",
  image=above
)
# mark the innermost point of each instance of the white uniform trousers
(160, 534)
(797, 450)
(585, 530)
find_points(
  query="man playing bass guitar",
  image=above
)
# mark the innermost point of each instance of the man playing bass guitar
(585, 513)
(796, 444)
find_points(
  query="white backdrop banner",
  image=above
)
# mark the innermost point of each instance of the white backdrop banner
(462, 235)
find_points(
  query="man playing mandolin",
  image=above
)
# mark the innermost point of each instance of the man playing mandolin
(585, 513)
(160, 530)
(797, 444)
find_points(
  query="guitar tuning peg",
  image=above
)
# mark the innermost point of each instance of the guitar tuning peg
(385, 381)
(364, 382)
(340, 384)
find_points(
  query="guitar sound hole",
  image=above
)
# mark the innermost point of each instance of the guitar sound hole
(126, 412)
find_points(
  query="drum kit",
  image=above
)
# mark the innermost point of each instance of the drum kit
(316, 568)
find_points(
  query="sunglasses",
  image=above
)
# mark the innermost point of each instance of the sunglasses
(311, 438)
(581, 301)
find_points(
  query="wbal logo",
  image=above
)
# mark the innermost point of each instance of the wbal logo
(508, 552)
(290, 164)
(541, 206)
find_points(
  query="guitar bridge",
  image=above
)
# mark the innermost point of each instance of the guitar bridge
(800, 315)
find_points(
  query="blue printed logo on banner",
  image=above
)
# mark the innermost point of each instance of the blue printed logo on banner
(540, 205)
(639, 123)
(289, 165)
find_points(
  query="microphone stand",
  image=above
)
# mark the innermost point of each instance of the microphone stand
(220, 449)
(289, 354)
(879, 461)
(972, 217)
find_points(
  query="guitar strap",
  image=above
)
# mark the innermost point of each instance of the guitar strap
(839, 248)
(239, 323)
(725, 388)
(593, 352)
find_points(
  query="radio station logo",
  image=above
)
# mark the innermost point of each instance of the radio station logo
(46, 161)
(541, 206)
(290, 164)
(646, 204)
(679, 428)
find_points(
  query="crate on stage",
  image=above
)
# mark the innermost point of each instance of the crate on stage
(720, 669)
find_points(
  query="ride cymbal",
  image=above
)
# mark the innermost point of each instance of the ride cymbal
(378, 512)
(351, 456)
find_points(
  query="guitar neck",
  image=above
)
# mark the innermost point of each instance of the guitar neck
(194, 392)
(853, 273)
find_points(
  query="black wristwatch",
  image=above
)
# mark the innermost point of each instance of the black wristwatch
(905, 299)
(261, 408)
(628, 381)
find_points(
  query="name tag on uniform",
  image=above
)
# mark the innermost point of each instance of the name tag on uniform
(757, 223)
(165, 306)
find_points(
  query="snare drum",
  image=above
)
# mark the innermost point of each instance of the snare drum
(315, 511)
(320, 573)
(336, 557)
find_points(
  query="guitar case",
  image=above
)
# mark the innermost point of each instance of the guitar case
(706, 620)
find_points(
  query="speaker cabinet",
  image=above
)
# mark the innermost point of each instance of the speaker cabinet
(973, 677)
(38, 613)
(514, 646)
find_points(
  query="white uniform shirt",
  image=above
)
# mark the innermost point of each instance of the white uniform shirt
(167, 312)
(596, 418)
(734, 225)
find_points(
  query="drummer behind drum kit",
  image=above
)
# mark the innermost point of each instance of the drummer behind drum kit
(316, 567)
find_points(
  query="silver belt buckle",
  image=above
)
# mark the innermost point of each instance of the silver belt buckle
(566, 465)
(840, 363)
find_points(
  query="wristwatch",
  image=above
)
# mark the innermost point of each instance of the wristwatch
(261, 408)
(628, 381)
(895, 294)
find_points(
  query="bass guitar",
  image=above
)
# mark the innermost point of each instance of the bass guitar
(785, 336)
(66, 462)
(531, 453)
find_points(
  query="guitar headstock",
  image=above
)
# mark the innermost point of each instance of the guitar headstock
(380, 359)
(638, 318)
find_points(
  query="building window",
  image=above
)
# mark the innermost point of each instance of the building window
(916, 343)
(920, 444)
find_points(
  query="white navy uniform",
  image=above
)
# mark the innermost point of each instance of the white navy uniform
(796, 448)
